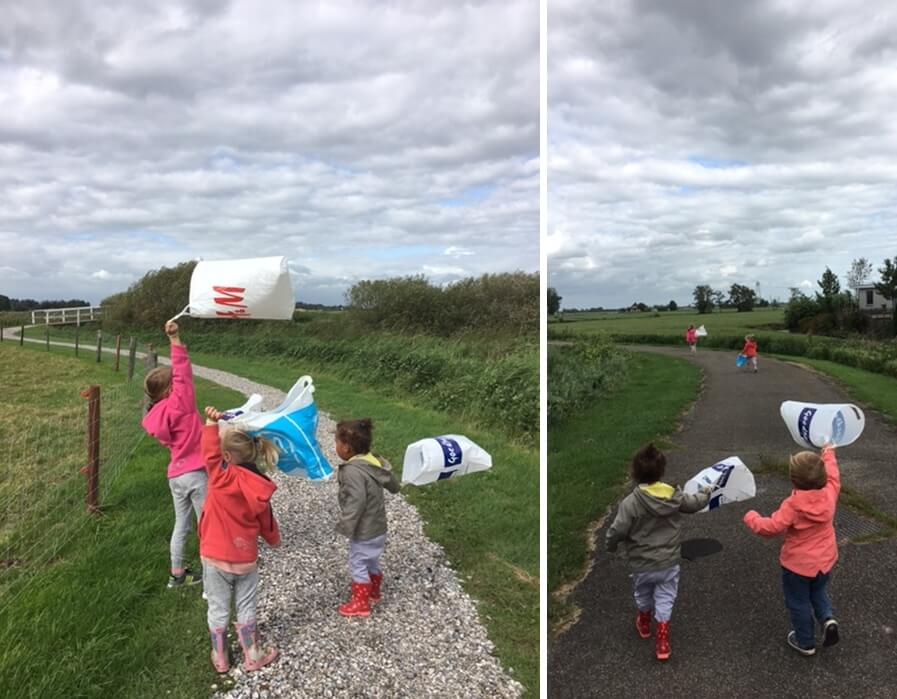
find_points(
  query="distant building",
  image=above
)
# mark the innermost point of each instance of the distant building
(871, 301)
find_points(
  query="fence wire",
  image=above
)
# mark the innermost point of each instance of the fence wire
(45, 431)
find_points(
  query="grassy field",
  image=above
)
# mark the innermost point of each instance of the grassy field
(728, 322)
(488, 523)
(589, 454)
(94, 618)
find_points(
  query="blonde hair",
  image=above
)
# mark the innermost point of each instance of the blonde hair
(807, 471)
(156, 383)
(244, 449)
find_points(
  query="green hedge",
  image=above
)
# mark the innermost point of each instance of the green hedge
(580, 372)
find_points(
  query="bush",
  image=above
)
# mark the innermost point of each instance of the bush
(580, 373)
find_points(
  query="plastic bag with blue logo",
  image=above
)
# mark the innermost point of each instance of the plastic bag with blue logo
(813, 425)
(740, 360)
(292, 426)
(438, 458)
(731, 480)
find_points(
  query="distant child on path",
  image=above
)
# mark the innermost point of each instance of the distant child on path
(648, 524)
(174, 421)
(362, 477)
(810, 550)
(691, 337)
(750, 350)
(237, 511)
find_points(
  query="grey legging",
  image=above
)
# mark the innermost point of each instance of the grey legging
(188, 492)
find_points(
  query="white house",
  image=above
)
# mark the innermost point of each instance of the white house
(871, 301)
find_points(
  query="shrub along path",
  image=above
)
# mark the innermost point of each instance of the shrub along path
(424, 640)
(730, 622)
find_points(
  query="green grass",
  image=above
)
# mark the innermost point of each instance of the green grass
(728, 322)
(873, 390)
(98, 620)
(488, 523)
(589, 455)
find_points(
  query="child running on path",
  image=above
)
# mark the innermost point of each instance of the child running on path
(750, 351)
(174, 421)
(648, 524)
(237, 511)
(810, 551)
(362, 477)
(691, 338)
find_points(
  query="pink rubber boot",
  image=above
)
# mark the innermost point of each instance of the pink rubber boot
(254, 656)
(219, 650)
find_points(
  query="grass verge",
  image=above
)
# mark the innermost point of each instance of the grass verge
(588, 457)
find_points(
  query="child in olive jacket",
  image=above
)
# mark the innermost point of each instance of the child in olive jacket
(648, 524)
(362, 477)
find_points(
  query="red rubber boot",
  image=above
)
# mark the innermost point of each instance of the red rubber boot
(360, 604)
(376, 581)
(662, 649)
(643, 624)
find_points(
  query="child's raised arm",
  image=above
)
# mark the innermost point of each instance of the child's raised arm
(181, 371)
(696, 502)
(210, 445)
(833, 484)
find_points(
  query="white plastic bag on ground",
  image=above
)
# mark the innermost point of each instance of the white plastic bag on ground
(701, 332)
(292, 426)
(258, 287)
(732, 481)
(437, 458)
(812, 425)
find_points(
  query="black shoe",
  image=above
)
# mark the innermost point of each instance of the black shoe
(829, 632)
(188, 577)
(792, 641)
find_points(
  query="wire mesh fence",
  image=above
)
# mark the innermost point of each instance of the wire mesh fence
(43, 484)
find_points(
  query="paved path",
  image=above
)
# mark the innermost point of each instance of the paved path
(424, 639)
(729, 625)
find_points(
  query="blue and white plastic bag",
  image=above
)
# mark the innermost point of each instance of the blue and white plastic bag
(732, 481)
(438, 458)
(813, 425)
(291, 426)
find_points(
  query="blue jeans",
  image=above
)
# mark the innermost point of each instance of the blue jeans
(806, 597)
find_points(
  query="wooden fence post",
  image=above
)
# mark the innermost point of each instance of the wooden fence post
(22, 336)
(99, 344)
(152, 359)
(92, 470)
(77, 333)
(132, 356)
(117, 350)
(1, 333)
(47, 336)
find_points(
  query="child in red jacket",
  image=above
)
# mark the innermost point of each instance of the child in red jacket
(174, 421)
(750, 350)
(810, 551)
(237, 511)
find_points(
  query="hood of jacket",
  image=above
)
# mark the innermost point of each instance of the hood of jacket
(373, 465)
(660, 499)
(814, 506)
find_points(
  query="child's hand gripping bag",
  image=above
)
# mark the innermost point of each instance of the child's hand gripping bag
(813, 425)
(740, 360)
(257, 288)
(732, 481)
(437, 458)
(292, 426)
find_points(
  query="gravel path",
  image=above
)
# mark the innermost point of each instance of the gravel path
(423, 640)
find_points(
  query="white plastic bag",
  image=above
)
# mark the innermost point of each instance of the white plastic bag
(701, 332)
(291, 426)
(732, 482)
(257, 288)
(812, 425)
(437, 458)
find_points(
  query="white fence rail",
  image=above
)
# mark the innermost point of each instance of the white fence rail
(58, 316)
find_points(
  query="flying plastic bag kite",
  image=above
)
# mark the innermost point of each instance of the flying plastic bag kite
(732, 482)
(257, 288)
(701, 332)
(291, 426)
(812, 425)
(438, 458)
(740, 360)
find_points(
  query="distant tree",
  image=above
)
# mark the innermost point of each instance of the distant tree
(5, 305)
(554, 301)
(830, 288)
(642, 306)
(742, 297)
(887, 287)
(859, 272)
(673, 306)
(703, 296)
(719, 300)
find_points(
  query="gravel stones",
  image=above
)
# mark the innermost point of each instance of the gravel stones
(423, 640)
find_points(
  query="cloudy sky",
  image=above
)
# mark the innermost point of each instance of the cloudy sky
(701, 142)
(359, 139)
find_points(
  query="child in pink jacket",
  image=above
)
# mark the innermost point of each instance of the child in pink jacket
(809, 552)
(173, 419)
